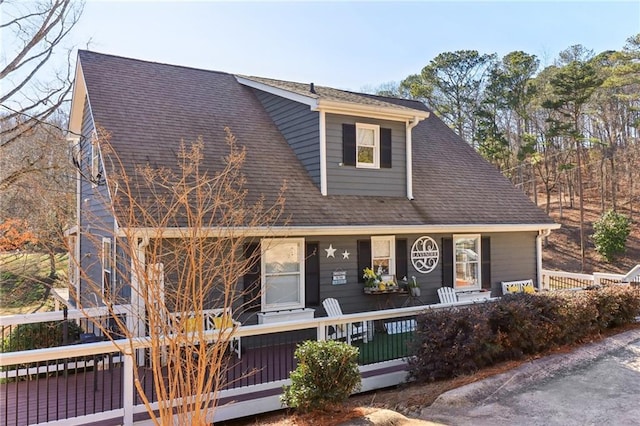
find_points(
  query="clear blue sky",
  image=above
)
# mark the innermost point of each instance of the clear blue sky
(347, 45)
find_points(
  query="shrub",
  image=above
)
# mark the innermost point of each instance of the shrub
(611, 233)
(327, 373)
(25, 337)
(459, 341)
(451, 342)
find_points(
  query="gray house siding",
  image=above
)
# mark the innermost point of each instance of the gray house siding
(96, 221)
(349, 180)
(300, 128)
(512, 257)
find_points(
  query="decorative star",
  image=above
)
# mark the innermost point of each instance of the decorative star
(331, 252)
(345, 255)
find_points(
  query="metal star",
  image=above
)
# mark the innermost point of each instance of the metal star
(331, 252)
(345, 255)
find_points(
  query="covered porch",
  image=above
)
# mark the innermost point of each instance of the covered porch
(94, 382)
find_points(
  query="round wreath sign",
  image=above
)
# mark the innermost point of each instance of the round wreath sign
(425, 254)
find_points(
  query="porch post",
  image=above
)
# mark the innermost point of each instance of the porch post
(128, 387)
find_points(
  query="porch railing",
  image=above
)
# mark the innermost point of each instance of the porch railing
(558, 280)
(93, 382)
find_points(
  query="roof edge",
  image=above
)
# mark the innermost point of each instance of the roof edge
(290, 231)
(316, 103)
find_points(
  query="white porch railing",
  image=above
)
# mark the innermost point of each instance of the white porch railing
(558, 280)
(118, 379)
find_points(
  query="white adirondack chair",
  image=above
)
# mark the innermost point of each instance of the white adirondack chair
(350, 331)
(447, 295)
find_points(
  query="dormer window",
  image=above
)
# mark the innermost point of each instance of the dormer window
(367, 146)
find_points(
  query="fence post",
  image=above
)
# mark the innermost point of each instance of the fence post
(128, 392)
(65, 326)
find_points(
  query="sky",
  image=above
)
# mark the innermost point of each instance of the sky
(347, 45)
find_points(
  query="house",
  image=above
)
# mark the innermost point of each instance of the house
(371, 181)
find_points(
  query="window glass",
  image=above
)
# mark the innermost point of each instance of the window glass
(283, 289)
(467, 262)
(382, 255)
(282, 274)
(367, 145)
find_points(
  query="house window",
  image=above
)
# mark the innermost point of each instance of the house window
(95, 159)
(383, 255)
(367, 145)
(282, 274)
(107, 268)
(467, 262)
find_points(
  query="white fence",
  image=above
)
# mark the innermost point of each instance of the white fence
(558, 280)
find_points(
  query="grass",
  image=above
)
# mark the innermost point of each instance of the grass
(24, 281)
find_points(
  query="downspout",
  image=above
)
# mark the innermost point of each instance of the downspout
(323, 153)
(543, 233)
(409, 125)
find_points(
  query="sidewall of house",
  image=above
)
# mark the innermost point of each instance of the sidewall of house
(96, 221)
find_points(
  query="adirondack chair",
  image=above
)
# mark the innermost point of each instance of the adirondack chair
(350, 331)
(447, 295)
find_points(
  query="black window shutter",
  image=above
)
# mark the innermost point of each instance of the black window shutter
(364, 257)
(401, 259)
(349, 144)
(485, 251)
(385, 148)
(312, 275)
(251, 279)
(447, 262)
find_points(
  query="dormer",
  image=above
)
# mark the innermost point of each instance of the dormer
(349, 143)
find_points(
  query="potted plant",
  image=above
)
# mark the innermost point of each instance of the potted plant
(371, 280)
(413, 287)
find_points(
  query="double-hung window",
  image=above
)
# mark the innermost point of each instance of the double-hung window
(383, 255)
(367, 145)
(282, 274)
(467, 261)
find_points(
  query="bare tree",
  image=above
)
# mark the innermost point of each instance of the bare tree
(37, 29)
(180, 254)
(37, 187)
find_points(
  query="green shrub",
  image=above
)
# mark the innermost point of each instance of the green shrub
(327, 373)
(459, 341)
(25, 337)
(610, 234)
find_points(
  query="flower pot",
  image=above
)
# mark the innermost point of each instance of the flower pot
(415, 291)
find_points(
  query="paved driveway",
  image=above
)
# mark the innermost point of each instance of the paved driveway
(598, 384)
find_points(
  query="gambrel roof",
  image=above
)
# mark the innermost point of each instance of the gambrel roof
(149, 108)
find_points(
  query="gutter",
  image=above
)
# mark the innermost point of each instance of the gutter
(308, 231)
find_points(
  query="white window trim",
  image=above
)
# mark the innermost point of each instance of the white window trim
(265, 244)
(107, 268)
(478, 285)
(376, 146)
(392, 247)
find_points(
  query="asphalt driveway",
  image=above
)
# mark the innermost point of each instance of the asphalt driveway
(598, 383)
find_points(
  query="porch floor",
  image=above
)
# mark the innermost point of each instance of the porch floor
(88, 391)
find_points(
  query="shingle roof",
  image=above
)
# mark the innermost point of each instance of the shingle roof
(148, 108)
(331, 94)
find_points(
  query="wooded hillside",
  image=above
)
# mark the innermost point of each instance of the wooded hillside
(568, 134)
